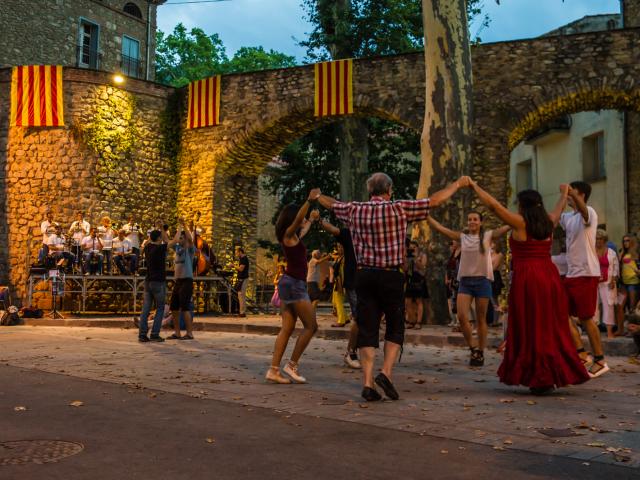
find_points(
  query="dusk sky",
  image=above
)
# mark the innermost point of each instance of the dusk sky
(278, 24)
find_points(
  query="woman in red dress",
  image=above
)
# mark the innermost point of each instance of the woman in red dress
(540, 353)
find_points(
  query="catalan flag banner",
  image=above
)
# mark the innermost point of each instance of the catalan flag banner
(36, 96)
(334, 88)
(204, 103)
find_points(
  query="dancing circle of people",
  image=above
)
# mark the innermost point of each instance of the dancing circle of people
(543, 348)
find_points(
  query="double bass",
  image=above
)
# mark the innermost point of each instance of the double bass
(202, 257)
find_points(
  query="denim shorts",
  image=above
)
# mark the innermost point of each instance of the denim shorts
(632, 288)
(476, 287)
(292, 290)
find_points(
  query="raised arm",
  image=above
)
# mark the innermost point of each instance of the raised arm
(499, 232)
(302, 213)
(438, 227)
(580, 204)
(561, 204)
(446, 193)
(326, 202)
(515, 220)
(176, 237)
(188, 237)
(327, 227)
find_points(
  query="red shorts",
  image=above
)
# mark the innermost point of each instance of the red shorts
(583, 296)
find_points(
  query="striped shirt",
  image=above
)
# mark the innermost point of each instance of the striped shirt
(379, 228)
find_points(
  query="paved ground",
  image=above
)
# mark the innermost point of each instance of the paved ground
(148, 410)
(433, 335)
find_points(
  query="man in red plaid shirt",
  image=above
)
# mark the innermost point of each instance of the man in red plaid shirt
(379, 231)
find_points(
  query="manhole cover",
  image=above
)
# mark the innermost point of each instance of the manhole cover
(36, 451)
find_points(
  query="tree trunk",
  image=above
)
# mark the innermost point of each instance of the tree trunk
(446, 137)
(354, 158)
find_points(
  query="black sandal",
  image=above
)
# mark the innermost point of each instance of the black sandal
(186, 337)
(173, 336)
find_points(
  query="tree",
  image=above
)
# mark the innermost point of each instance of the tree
(250, 59)
(446, 136)
(182, 57)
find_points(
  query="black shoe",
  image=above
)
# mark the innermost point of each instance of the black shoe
(477, 358)
(385, 384)
(143, 339)
(371, 394)
(540, 390)
(156, 338)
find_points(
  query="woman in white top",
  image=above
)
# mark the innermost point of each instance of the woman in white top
(475, 276)
(106, 234)
(609, 271)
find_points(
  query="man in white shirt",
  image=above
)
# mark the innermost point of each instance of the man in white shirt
(79, 229)
(106, 234)
(91, 251)
(56, 249)
(132, 230)
(583, 275)
(123, 255)
(47, 228)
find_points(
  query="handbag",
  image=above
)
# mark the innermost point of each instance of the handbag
(275, 299)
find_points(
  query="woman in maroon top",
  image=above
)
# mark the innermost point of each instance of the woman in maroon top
(292, 288)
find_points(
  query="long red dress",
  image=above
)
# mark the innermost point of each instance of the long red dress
(540, 351)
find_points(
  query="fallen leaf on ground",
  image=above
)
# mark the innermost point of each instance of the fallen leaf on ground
(507, 442)
(20, 408)
(419, 381)
(210, 440)
(444, 452)
(499, 448)
(76, 403)
(507, 400)
(531, 402)
(595, 444)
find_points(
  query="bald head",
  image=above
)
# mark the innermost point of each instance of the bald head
(379, 184)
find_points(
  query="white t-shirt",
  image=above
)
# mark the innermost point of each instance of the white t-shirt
(582, 258)
(472, 262)
(560, 261)
(90, 244)
(56, 243)
(121, 247)
(47, 229)
(106, 236)
(133, 234)
(79, 230)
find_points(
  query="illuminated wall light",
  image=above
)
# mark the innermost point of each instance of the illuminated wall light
(118, 79)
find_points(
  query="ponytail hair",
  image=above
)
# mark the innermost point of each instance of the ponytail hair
(480, 232)
(539, 225)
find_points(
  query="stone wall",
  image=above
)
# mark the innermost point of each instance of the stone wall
(47, 31)
(64, 168)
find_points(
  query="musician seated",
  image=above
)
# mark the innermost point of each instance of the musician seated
(47, 228)
(126, 261)
(58, 254)
(91, 253)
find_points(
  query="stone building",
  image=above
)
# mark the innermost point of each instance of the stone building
(109, 35)
(585, 146)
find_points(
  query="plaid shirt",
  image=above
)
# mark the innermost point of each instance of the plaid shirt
(379, 228)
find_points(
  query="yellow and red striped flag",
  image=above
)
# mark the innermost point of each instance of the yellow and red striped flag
(204, 103)
(334, 88)
(36, 96)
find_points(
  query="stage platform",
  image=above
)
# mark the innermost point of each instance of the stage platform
(208, 290)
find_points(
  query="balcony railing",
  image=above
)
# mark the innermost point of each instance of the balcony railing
(131, 66)
(87, 57)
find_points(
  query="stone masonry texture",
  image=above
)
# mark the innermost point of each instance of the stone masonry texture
(47, 31)
(518, 87)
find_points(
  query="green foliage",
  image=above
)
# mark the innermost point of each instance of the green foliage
(250, 59)
(111, 133)
(312, 161)
(182, 57)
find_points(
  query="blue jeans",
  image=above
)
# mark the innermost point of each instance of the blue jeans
(153, 292)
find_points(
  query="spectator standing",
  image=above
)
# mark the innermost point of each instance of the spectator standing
(315, 281)
(182, 292)
(155, 283)
(609, 271)
(242, 280)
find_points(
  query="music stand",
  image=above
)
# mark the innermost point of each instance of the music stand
(57, 290)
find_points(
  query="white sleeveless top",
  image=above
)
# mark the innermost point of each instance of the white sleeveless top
(472, 262)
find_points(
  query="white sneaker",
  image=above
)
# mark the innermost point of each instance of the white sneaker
(274, 376)
(291, 369)
(351, 360)
(598, 368)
